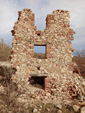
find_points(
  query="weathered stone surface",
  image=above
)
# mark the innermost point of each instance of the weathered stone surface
(82, 103)
(83, 110)
(60, 76)
(22, 100)
(2, 89)
(59, 111)
(59, 106)
(35, 110)
(76, 108)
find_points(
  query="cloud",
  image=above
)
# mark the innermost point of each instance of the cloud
(9, 9)
(75, 7)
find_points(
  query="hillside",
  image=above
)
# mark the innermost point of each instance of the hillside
(81, 64)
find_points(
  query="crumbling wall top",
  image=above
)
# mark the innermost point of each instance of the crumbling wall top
(58, 17)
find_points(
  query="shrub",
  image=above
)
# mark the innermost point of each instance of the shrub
(5, 52)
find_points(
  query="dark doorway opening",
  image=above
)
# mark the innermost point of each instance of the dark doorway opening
(37, 81)
(38, 34)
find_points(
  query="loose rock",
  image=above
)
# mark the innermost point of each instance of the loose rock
(83, 110)
(76, 108)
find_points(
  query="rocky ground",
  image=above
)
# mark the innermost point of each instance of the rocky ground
(10, 101)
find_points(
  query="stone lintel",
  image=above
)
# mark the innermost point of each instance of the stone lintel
(38, 75)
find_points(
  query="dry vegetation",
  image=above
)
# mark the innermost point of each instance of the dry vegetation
(39, 55)
(79, 53)
(81, 64)
(5, 51)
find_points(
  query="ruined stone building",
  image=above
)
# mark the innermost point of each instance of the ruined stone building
(55, 70)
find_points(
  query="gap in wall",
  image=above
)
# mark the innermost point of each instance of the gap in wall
(37, 81)
(40, 51)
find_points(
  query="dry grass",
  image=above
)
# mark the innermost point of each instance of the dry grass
(39, 55)
(5, 52)
(81, 64)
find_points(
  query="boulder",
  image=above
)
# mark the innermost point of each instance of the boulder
(59, 111)
(76, 108)
(35, 110)
(82, 110)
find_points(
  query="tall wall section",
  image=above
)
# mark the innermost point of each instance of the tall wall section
(57, 36)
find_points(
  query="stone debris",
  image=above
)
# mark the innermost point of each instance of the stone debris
(2, 89)
(5, 63)
(76, 108)
(59, 111)
(82, 103)
(35, 110)
(48, 109)
(59, 106)
(60, 78)
(83, 110)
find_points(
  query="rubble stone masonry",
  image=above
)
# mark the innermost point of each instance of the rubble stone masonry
(57, 67)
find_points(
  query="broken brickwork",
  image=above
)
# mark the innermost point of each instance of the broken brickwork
(57, 66)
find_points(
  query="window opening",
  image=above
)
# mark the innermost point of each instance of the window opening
(40, 51)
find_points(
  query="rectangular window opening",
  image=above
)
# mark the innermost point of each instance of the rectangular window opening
(69, 41)
(40, 51)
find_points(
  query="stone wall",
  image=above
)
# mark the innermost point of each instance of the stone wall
(57, 36)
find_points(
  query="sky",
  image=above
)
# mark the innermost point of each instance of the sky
(40, 49)
(9, 14)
